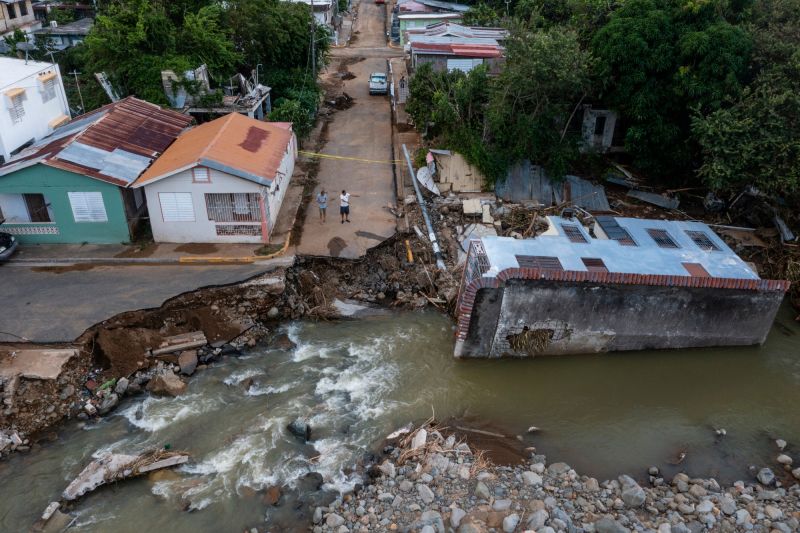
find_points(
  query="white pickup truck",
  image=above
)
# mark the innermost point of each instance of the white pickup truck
(377, 83)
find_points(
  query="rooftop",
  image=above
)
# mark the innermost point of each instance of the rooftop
(78, 27)
(453, 29)
(620, 245)
(425, 16)
(235, 144)
(14, 70)
(113, 144)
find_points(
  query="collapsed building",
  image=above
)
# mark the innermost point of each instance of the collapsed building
(620, 284)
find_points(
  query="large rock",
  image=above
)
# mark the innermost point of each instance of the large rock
(187, 360)
(425, 493)
(108, 403)
(122, 386)
(166, 384)
(510, 523)
(609, 525)
(766, 476)
(632, 494)
(538, 519)
(300, 428)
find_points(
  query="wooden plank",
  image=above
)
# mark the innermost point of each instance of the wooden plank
(180, 347)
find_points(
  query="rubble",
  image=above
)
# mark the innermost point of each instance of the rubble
(112, 467)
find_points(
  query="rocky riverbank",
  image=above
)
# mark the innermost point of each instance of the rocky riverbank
(432, 483)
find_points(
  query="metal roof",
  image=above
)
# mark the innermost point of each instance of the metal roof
(79, 27)
(244, 147)
(445, 39)
(645, 257)
(114, 144)
(526, 182)
(449, 6)
(449, 28)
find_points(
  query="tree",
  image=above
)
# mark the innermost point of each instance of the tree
(547, 76)
(659, 62)
(481, 15)
(134, 41)
(288, 110)
(756, 139)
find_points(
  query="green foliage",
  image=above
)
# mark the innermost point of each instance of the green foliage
(756, 140)
(343, 5)
(546, 78)
(287, 110)
(659, 62)
(134, 41)
(61, 16)
(481, 15)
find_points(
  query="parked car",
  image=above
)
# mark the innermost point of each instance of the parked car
(8, 244)
(378, 83)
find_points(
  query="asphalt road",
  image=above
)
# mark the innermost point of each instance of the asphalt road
(362, 132)
(56, 304)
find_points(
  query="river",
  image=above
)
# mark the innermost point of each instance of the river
(360, 380)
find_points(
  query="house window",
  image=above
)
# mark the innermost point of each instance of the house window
(201, 175)
(48, 90)
(703, 241)
(600, 125)
(573, 233)
(539, 261)
(12, 12)
(594, 265)
(614, 231)
(662, 238)
(696, 270)
(25, 208)
(17, 110)
(87, 206)
(23, 9)
(176, 206)
(233, 207)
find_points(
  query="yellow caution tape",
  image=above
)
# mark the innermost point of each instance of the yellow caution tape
(345, 158)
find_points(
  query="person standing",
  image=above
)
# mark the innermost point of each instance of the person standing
(344, 206)
(322, 202)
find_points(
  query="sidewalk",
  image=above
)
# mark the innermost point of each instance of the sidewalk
(195, 253)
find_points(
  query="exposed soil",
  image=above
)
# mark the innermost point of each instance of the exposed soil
(77, 267)
(197, 248)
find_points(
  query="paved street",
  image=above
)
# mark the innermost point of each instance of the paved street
(52, 304)
(364, 131)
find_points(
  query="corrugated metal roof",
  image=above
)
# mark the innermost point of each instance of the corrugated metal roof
(447, 39)
(454, 29)
(235, 144)
(526, 182)
(113, 144)
(449, 6)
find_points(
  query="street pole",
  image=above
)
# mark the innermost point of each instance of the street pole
(437, 252)
(313, 44)
(78, 84)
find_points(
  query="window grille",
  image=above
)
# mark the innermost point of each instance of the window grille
(662, 238)
(539, 261)
(233, 207)
(49, 90)
(573, 233)
(703, 241)
(17, 110)
(201, 175)
(593, 264)
(614, 231)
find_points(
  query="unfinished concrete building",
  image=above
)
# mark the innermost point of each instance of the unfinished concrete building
(620, 284)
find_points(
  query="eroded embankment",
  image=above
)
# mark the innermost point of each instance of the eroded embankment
(118, 356)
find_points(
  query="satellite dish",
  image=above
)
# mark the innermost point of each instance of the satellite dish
(26, 46)
(4, 48)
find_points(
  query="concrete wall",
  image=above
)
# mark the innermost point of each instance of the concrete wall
(457, 175)
(20, 21)
(55, 184)
(38, 113)
(544, 317)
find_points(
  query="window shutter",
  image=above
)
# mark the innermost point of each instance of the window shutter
(176, 206)
(87, 207)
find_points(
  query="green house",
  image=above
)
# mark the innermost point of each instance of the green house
(72, 186)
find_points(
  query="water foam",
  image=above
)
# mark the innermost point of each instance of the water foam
(159, 413)
(240, 375)
(257, 390)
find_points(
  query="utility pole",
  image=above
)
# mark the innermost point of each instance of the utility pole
(313, 44)
(78, 84)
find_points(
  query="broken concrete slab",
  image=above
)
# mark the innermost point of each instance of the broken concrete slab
(472, 206)
(113, 467)
(36, 364)
(486, 214)
(56, 522)
(352, 309)
(656, 199)
(177, 343)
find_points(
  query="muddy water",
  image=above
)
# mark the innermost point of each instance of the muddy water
(360, 380)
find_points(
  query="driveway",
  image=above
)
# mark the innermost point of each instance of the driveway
(363, 135)
(57, 304)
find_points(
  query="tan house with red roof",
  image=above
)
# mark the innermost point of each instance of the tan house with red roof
(222, 182)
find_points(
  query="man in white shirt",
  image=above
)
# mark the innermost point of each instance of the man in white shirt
(344, 206)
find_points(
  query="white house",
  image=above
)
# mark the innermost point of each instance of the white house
(32, 103)
(223, 181)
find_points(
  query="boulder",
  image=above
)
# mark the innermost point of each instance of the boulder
(108, 403)
(122, 386)
(283, 342)
(765, 476)
(273, 495)
(187, 360)
(510, 523)
(300, 428)
(609, 525)
(166, 384)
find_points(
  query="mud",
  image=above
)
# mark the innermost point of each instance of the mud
(197, 248)
(77, 267)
